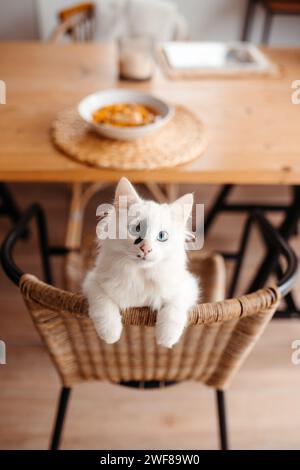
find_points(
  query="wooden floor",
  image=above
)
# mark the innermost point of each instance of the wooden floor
(263, 402)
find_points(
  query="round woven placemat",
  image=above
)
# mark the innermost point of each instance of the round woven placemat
(179, 141)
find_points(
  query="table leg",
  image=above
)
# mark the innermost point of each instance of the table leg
(172, 191)
(79, 200)
(75, 218)
(167, 193)
(157, 192)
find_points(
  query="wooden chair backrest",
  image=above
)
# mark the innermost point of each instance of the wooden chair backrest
(77, 22)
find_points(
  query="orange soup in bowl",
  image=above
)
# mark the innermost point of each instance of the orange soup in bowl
(125, 115)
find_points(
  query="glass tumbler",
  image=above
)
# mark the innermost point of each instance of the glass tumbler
(136, 58)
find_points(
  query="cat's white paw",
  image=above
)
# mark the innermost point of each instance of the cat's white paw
(168, 331)
(108, 326)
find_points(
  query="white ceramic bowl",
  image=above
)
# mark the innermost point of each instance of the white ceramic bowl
(97, 100)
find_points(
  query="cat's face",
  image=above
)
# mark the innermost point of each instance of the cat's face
(151, 232)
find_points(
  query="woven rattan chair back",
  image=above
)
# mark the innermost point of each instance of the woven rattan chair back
(219, 336)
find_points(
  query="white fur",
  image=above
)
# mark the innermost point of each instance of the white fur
(121, 279)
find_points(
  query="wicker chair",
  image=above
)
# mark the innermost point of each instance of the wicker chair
(219, 337)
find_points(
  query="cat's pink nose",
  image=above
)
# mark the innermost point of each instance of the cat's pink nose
(145, 248)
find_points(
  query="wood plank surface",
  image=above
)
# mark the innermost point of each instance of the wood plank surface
(253, 127)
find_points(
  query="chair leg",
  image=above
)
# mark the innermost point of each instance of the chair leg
(290, 301)
(267, 27)
(60, 416)
(248, 19)
(10, 207)
(220, 395)
(217, 205)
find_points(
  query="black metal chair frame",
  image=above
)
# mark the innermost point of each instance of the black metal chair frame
(286, 229)
(274, 242)
(269, 14)
(9, 208)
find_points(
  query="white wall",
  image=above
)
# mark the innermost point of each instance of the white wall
(223, 20)
(18, 20)
(208, 19)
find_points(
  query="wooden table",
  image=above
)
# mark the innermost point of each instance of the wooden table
(253, 127)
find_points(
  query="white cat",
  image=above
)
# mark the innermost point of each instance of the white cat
(145, 268)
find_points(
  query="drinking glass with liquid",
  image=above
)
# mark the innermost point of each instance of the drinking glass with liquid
(136, 58)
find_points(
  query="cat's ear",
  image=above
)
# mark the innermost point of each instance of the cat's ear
(182, 207)
(126, 192)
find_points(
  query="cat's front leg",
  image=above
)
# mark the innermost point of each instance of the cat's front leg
(106, 317)
(171, 320)
(104, 313)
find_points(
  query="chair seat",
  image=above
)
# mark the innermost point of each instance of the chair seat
(208, 267)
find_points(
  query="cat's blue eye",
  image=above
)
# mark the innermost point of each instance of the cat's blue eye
(162, 236)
